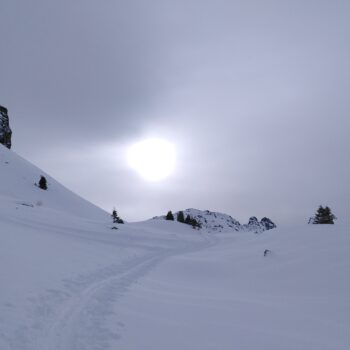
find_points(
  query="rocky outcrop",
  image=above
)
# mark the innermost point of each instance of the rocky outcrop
(212, 221)
(259, 226)
(253, 225)
(219, 222)
(5, 131)
(269, 225)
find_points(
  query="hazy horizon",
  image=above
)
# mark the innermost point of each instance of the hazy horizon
(252, 95)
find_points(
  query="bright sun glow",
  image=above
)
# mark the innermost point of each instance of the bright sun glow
(153, 159)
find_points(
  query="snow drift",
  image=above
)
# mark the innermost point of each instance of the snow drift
(69, 282)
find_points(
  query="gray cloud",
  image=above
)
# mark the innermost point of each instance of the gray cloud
(253, 93)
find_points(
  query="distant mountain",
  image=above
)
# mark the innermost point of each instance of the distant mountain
(219, 222)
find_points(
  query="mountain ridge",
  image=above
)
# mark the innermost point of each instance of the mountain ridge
(220, 222)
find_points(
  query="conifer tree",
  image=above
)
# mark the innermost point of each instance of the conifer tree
(181, 217)
(43, 183)
(188, 220)
(169, 216)
(116, 218)
(324, 216)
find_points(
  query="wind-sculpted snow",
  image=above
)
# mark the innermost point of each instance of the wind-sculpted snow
(63, 269)
(63, 278)
(69, 282)
(231, 296)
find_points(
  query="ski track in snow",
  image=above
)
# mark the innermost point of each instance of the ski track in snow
(69, 282)
(74, 317)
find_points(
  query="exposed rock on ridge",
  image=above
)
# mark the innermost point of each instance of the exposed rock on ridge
(5, 131)
(256, 226)
(219, 222)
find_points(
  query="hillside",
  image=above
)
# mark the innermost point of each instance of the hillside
(17, 190)
(219, 222)
(69, 282)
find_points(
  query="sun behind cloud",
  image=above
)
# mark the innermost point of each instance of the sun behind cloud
(154, 159)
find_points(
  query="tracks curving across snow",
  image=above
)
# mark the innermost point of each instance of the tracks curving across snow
(79, 323)
(80, 314)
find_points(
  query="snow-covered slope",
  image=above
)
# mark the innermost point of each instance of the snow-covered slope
(219, 222)
(17, 189)
(230, 296)
(69, 282)
(62, 267)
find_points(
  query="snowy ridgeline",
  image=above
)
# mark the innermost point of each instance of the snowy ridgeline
(17, 189)
(69, 282)
(219, 222)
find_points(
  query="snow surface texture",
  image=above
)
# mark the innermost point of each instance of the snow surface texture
(218, 222)
(70, 282)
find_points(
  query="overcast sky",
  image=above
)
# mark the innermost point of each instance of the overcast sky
(254, 95)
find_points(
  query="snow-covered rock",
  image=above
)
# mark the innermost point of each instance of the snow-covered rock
(254, 225)
(212, 221)
(267, 223)
(5, 131)
(220, 222)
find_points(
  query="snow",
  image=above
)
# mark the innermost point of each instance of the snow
(213, 221)
(70, 282)
(232, 297)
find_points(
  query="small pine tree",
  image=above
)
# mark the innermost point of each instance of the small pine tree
(43, 183)
(181, 217)
(169, 216)
(324, 216)
(116, 218)
(188, 220)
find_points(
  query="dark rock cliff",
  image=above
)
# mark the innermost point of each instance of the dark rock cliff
(5, 131)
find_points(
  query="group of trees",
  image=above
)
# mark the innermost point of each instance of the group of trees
(181, 218)
(323, 215)
(115, 217)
